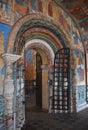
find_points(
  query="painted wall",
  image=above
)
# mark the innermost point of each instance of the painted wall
(87, 66)
(81, 95)
(4, 33)
(12, 11)
(18, 9)
(30, 65)
(5, 11)
(80, 60)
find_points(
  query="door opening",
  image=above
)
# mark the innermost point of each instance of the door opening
(33, 80)
(38, 81)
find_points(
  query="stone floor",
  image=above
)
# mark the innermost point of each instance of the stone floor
(42, 120)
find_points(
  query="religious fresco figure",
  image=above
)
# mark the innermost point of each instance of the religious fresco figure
(5, 11)
(80, 61)
(81, 66)
(30, 65)
(4, 33)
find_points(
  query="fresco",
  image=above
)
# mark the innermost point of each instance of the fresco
(34, 4)
(81, 73)
(76, 39)
(62, 20)
(70, 30)
(29, 57)
(23, 7)
(50, 9)
(87, 66)
(40, 6)
(76, 52)
(30, 65)
(4, 33)
(81, 67)
(21, 2)
(20, 8)
(5, 11)
(81, 95)
(80, 61)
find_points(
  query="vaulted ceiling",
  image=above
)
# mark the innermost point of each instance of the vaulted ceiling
(78, 9)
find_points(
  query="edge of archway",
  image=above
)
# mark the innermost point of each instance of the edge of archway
(17, 26)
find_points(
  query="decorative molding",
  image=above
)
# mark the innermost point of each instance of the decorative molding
(10, 57)
(40, 42)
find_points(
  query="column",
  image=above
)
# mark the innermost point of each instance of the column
(45, 88)
(50, 83)
(9, 88)
(20, 105)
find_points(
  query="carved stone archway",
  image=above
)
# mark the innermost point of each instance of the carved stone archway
(49, 44)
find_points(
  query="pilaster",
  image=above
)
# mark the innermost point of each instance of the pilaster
(50, 83)
(45, 94)
(9, 88)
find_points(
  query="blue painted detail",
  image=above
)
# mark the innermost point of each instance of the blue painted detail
(3, 71)
(86, 27)
(86, 37)
(6, 29)
(34, 4)
(29, 56)
(83, 20)
(83, 55)
(76, 53)
(19, 2)
(80, 73)
(81, 95)
(76, 37)
(8, 7)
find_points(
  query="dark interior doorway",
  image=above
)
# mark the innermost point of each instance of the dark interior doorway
(38, 81)
(33, 87)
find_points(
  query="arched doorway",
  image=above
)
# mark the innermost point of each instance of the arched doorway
(46, 38)
(36, 80)
(33, 80)
(51, 34)
(44, 56)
